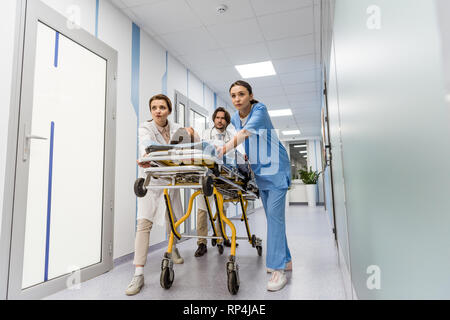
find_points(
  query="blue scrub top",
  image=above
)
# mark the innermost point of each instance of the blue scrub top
(267, 156)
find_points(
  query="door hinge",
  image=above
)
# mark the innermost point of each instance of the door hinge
(111, 205)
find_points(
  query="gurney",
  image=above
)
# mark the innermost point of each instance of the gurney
(196, 166)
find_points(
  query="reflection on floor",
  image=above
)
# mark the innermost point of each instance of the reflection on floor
(316, 273)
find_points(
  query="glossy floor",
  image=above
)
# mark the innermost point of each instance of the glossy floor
(316, 273)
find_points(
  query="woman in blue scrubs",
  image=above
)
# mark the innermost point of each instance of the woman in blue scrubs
(270, 163)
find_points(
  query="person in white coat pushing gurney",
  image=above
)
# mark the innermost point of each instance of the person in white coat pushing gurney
(221, 133)
(152, 207)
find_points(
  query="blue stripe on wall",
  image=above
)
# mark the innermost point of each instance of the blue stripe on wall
(55, 62)
(97, 6)
(135, 77)
(187, 83)
(215, 101)
(49, 199)
(204, 95)
(135, 67)
(164, 78)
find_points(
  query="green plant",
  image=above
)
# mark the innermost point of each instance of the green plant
(309, 176)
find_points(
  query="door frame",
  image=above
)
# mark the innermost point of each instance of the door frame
(188, 106)
(328, 155)
(30, 13)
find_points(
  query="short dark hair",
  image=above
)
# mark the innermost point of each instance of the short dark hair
(161, 97)
(227, 114)
(247, 86)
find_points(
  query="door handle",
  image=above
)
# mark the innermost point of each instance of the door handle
(29, 137)
(26, 144)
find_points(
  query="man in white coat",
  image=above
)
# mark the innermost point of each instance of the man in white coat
(152, 207)
(220, 133)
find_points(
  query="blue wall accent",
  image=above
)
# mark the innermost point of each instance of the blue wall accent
(135, 67)
(135, 77)
(187, 83)
(55, 63)
(215, 101)
(97, 6)
(204, 95)
(164, 78)
(49, 199)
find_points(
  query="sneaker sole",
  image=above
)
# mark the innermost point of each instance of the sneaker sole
(277, 288)
(134, 292)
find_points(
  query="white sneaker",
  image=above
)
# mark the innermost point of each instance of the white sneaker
(277, 281)
(135, 285)
(288, 267)
(176, 258)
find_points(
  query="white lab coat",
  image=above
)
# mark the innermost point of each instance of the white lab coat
(153, 207)
(211, 135)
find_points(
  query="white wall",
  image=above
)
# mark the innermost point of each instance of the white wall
(315, 161)
(388, 102)
(7, 32)
(115, 29)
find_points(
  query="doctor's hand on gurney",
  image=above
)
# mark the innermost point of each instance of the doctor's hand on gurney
(146, 164)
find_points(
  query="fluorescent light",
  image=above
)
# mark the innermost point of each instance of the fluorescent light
(300, 146)
(255, 70)
(280, 113)
(291, 132)
(303, 151)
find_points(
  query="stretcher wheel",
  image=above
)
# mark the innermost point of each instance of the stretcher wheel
(259, 249)
(208, 187)
(220, 248)
(213, 242)
(167, 277)
(233, 282)
(216, 170)
(253, 241)
(139, 189)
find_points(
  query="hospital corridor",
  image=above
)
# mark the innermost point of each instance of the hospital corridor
(216, 153)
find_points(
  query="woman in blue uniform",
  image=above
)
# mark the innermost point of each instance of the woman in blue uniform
(270, 163)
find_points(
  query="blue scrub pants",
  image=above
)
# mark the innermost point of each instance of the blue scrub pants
(278, 254)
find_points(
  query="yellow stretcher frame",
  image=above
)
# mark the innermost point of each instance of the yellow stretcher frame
(167, 274)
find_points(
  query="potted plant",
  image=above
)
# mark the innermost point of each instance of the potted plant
(310, 178)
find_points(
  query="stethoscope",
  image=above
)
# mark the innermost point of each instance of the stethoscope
(226, 133)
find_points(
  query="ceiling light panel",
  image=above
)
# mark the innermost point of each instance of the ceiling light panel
(280, 113)
(256, 70)
(291, 132)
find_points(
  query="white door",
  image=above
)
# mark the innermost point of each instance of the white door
(63, 209)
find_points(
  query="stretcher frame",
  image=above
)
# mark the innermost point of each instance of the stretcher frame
(179, 169)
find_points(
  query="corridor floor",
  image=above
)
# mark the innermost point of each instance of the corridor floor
(316, 273)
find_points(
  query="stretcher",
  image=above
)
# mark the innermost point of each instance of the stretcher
(196, 166)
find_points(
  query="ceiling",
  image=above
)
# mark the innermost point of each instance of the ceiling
(287, 32)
